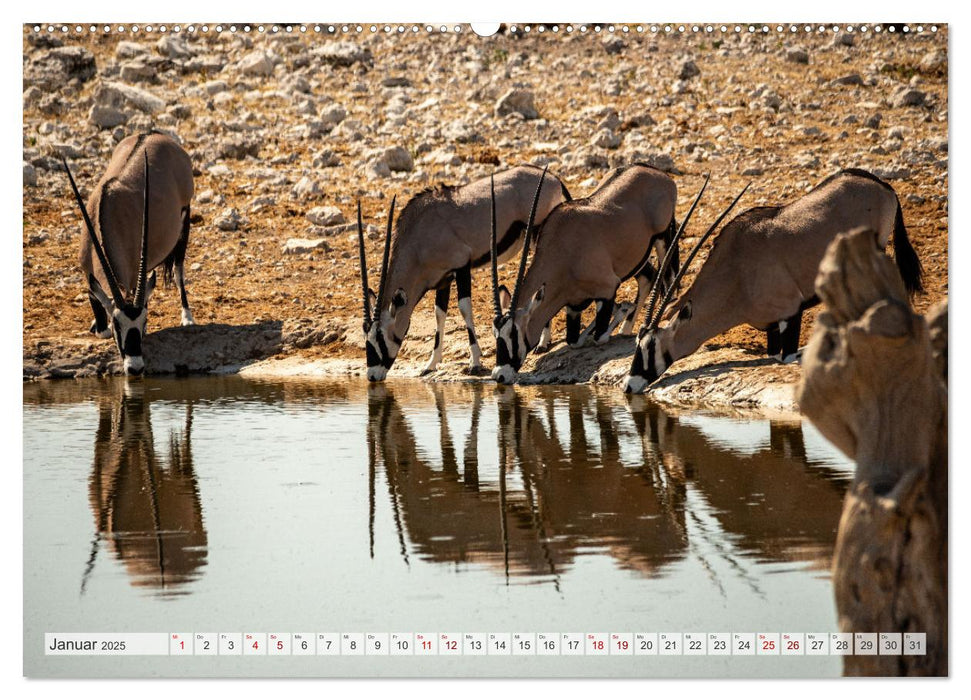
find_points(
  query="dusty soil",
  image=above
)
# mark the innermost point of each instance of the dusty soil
(276, 126)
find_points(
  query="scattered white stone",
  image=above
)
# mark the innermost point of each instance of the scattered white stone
(933, 62)
(753, 171)
(605, 138)
(333, 115)
(106, 117)
(257, 63)
(844, 39)
(517, 101)
(326, 159)
(396, 158)
(298, 246)
(173, 47)
(137, 72)
(307, 188)
(376, 169)
(325, 216)
(893, 172)
(119, 95)
(229, 220)
(873, 121)
(260, 203)
(908, 97)
(129, 49)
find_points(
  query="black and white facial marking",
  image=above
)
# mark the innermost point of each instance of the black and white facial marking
(127, 326)
(652, 355)
(510, 333)
(382, 343)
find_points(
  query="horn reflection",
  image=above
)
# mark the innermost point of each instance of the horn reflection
(576, 472)
(146, 506)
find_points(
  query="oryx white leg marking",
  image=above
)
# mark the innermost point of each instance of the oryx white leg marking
(643, 287)
(545, 339)
(439, 333)
(187, 319)
(475, 353)
(619, 314)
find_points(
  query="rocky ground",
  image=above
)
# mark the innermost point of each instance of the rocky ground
(286, 131)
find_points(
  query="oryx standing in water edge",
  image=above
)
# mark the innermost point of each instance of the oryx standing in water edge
(584, 250)
(441, 235)
(136, 218)
(762, 268)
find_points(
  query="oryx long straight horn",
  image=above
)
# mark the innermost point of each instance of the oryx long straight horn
(692, 254)
(441, 235)
(361, 257)
(383, 280)
(672, 252)
(116, 294)
(528, 239)
(762, 268)
(586, 249)
(497, 309)
(141, 209)
(142, 272)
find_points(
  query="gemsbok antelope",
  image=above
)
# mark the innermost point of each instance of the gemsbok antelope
(762, 267)
(137, 218)
(442, 235)
(584, 250)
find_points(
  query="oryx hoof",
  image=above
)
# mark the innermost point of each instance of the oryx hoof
(540, 349)
(428, 370)
(602, 339)
(476, 371)
(795, 357)
(187, 319)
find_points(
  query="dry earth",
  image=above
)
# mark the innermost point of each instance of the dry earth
(287, 131)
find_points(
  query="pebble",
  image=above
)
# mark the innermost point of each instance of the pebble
(396, 158)
(326, 159)
(30, 175)
(257, 63)
(689, 69)
(605, 138)
(306, 188)
(229, 220)
(933, 62)
(517, 101)
(297, 246)
(796, 54)
(614, 45)
(325, 216)
(893, 172)
(908, 97)
(119, 95)
(106, 117)
(873, 121)
(850, 79)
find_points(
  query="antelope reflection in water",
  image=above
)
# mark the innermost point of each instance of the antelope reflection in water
(567, 485)
(146, 507)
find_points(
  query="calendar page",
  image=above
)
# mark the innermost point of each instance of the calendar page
(264, 437)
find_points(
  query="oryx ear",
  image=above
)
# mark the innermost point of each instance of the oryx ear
(150, 286)
(505, 298)
(398, 300)
(99, 293)
(685, 312)
(372, 298)
(537, 298)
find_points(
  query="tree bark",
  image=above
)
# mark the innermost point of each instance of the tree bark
(875, 384)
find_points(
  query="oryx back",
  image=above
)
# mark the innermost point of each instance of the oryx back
(116, 202)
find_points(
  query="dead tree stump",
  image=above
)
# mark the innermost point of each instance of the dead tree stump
(875, 384)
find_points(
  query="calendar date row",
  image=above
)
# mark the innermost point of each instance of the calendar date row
(486, 644)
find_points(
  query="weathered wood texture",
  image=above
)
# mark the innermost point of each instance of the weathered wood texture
(875, 384)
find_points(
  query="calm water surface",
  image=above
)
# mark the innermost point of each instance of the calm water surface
(227, 505)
